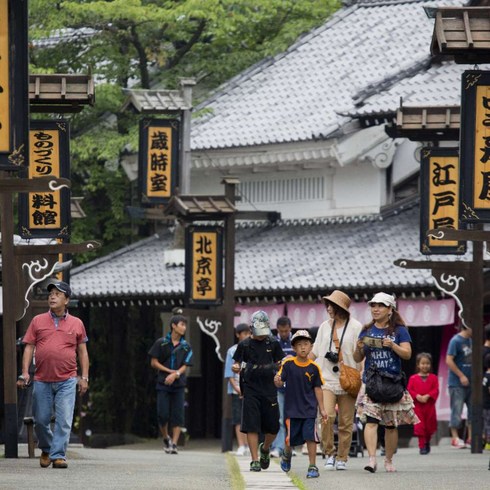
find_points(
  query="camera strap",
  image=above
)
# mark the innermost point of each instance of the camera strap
(335, 338)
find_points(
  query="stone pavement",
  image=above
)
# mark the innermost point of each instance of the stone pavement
(201, 465)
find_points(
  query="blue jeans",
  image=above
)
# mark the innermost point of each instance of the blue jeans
(280, 440)
(459, 396)
(60, 397)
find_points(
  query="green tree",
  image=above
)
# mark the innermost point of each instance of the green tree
(148, 44)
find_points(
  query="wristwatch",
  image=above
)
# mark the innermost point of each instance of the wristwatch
(85, 378)
(177, 373)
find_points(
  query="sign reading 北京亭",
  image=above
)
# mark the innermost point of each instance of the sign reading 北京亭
(440, 199)
(204, 265)
(46, 214)
(158, 159)
(475, 146)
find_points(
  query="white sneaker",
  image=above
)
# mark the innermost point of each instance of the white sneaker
(458, 444)
(275, 453)
(341, 465)
(241, 451)
(293, 452)
(330, 464)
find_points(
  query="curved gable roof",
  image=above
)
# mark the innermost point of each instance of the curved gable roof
(300, 94)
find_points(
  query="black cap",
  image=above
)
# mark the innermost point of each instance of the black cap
(242, 327)
(60, 286)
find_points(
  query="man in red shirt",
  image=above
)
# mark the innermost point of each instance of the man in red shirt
(56, 337)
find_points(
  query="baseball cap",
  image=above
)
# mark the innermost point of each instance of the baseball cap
(60, 286)
(301, 334)
(383, 298)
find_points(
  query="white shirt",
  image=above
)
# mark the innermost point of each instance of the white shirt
(322, 345)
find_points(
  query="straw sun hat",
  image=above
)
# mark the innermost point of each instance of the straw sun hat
(339, 299)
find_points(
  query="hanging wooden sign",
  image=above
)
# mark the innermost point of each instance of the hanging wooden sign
(440, 199)
(475, 146)
(204, 265)
(47, 214)
(158, 159)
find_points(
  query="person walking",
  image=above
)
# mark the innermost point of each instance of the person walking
(56, 338)
(257, 358)
(423, 387)
(170, 356)
(302, 380)
(383, 343)
(283, 325)
(458, 360)
(486, 402)
(336, 341)
(242, 332)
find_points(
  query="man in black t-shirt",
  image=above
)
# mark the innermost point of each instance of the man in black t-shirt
(170, 356)
(257, 360)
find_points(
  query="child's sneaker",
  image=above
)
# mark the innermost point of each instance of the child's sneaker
(312, 472)
(341, 465)
(330, 464)
(255, 466)
(286, 461)
(265, 457)
(173, 449)
(458, 444)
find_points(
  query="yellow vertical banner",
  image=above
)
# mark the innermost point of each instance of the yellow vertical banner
(204, 262)
(440, 198)
(4, 79)
(44, 158)
(158, 159)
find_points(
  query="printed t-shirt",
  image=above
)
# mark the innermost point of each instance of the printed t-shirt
(260, 357)
(301, 379)
(56, 347)
(460, 348)
(172, 357)
(383, 357)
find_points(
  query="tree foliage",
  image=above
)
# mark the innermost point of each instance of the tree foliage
(148, 44)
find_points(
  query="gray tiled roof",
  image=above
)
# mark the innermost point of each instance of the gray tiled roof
(294, 257)
(302, 93)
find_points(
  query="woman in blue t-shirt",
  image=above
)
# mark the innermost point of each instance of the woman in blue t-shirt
(384, 342)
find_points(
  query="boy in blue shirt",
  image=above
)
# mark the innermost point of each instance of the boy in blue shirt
(303, 398)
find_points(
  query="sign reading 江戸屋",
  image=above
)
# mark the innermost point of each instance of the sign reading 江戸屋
(475, 146)
(440, 199)
(158, 159)
(204, 265)
(4, 79)
(46, 214)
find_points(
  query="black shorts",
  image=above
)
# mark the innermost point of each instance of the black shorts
(236, 410)
(298, 431)
(260, 414)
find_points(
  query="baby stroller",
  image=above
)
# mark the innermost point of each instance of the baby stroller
(357, 444)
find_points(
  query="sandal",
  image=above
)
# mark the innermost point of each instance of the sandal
(372, 466)
(389, 466)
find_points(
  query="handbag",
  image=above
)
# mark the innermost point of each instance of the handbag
(349, 377)
(383, 387)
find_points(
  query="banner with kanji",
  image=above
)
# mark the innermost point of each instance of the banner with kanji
(158, 159)
(475, 146)
(204, 265)
(440, 199)
(47, 214)
(14, 87)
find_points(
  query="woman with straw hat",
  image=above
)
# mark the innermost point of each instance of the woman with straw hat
(336, 337)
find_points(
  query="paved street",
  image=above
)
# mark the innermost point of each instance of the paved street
(201, 465)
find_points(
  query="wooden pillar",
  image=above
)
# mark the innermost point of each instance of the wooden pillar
(229, 307)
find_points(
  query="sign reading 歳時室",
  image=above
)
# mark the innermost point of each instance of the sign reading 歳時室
(158, 159)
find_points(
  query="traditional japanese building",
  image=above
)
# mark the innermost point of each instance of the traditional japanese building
(305, 134)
